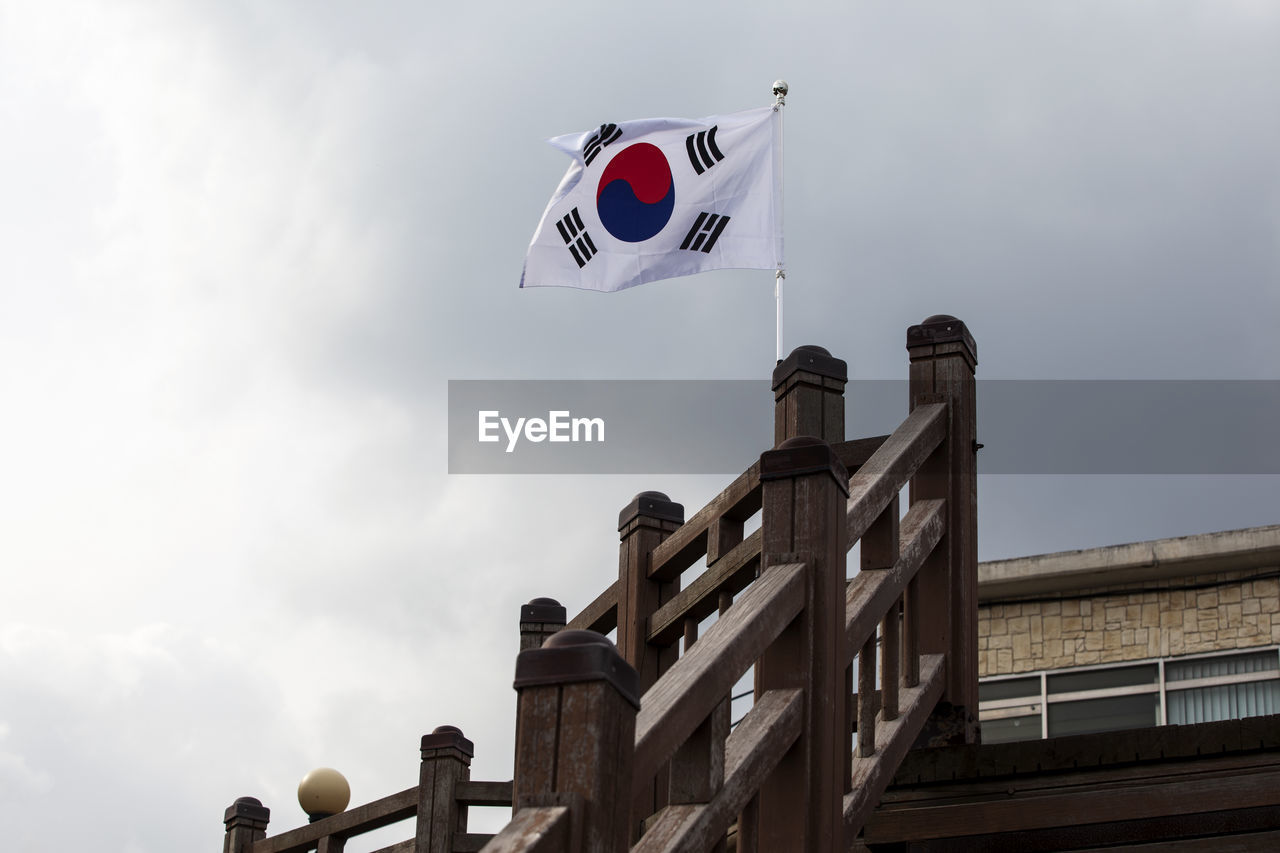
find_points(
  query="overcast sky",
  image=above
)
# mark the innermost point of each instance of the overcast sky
(244, 246)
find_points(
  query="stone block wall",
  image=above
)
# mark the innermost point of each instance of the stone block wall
(1204, 613)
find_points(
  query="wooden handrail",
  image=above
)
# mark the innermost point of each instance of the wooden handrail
(739, 501)
(362, 819)
(699, 600)
(543, 829)
(483, 793)
(686, 694)
(873, 774)
(600, 615)
(752, 750)
(890, 467)
(871, 593)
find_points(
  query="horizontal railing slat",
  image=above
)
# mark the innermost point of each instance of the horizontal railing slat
(541, 829)
(855, 452)
(873, 591)
(738, 502)
(362, 819)
(600, 615)
(731, 573)
(889, 468)
(470, 842)
(684, 696)
(894, 738)
(483, 793)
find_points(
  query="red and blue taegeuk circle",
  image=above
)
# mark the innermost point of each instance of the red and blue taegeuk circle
(636, 193)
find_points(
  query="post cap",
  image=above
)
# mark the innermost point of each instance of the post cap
(543, 610)
(574, 656)
(810, 359)
(651, 505)
(448, 737)
(804, 454)
(942, 329)
(249, 809)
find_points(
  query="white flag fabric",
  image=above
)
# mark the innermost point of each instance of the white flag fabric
(659, 198)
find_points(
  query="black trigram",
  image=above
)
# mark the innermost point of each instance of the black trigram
(706, 230)
(576, 237)
(703, 152)
(602, 137)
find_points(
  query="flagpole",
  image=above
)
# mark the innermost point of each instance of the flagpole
(780, 90)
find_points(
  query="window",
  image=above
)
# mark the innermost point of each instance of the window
(1220, 686)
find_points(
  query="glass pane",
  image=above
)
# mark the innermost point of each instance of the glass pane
(1011, 728)
(1226, 665)
(1225, 702)
(1104, 715)
(1014, 688)
(1100, 679)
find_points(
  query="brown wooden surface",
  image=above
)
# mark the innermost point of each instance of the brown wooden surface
(754, 748)
(867, 698)
(600, 615)
(331, 844)
(365, 818)
(687, 693)
(245, 824)
(870, 594)
(697, 767)
(739, 501)
(945, 371)
(576, 739)
(483, 793)
(639, 596)
(1073, 804)
(889, 468)
(470, 842)
(872, 775)
(700, 598)
(440, 816)
(803, 516)
(855, 452)
(534, 830)
(807, 403)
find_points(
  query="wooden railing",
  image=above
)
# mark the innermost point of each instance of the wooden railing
(629, 747)
(438, 802)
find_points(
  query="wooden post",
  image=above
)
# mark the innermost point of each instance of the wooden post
(943, 360)
(446, 761)
(575, 736)
(539, 619)
(642, 525)
(808, 393)
(805, 490)
(246, 822)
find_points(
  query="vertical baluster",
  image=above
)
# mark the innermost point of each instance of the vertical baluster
(911, 634)
(867, 698)
(890, 655)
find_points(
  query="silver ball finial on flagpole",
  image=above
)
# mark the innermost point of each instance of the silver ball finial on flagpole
(780, 90)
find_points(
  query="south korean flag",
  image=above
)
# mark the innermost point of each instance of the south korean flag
(658, 198)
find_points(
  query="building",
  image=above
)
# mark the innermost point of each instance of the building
(1183, 630)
